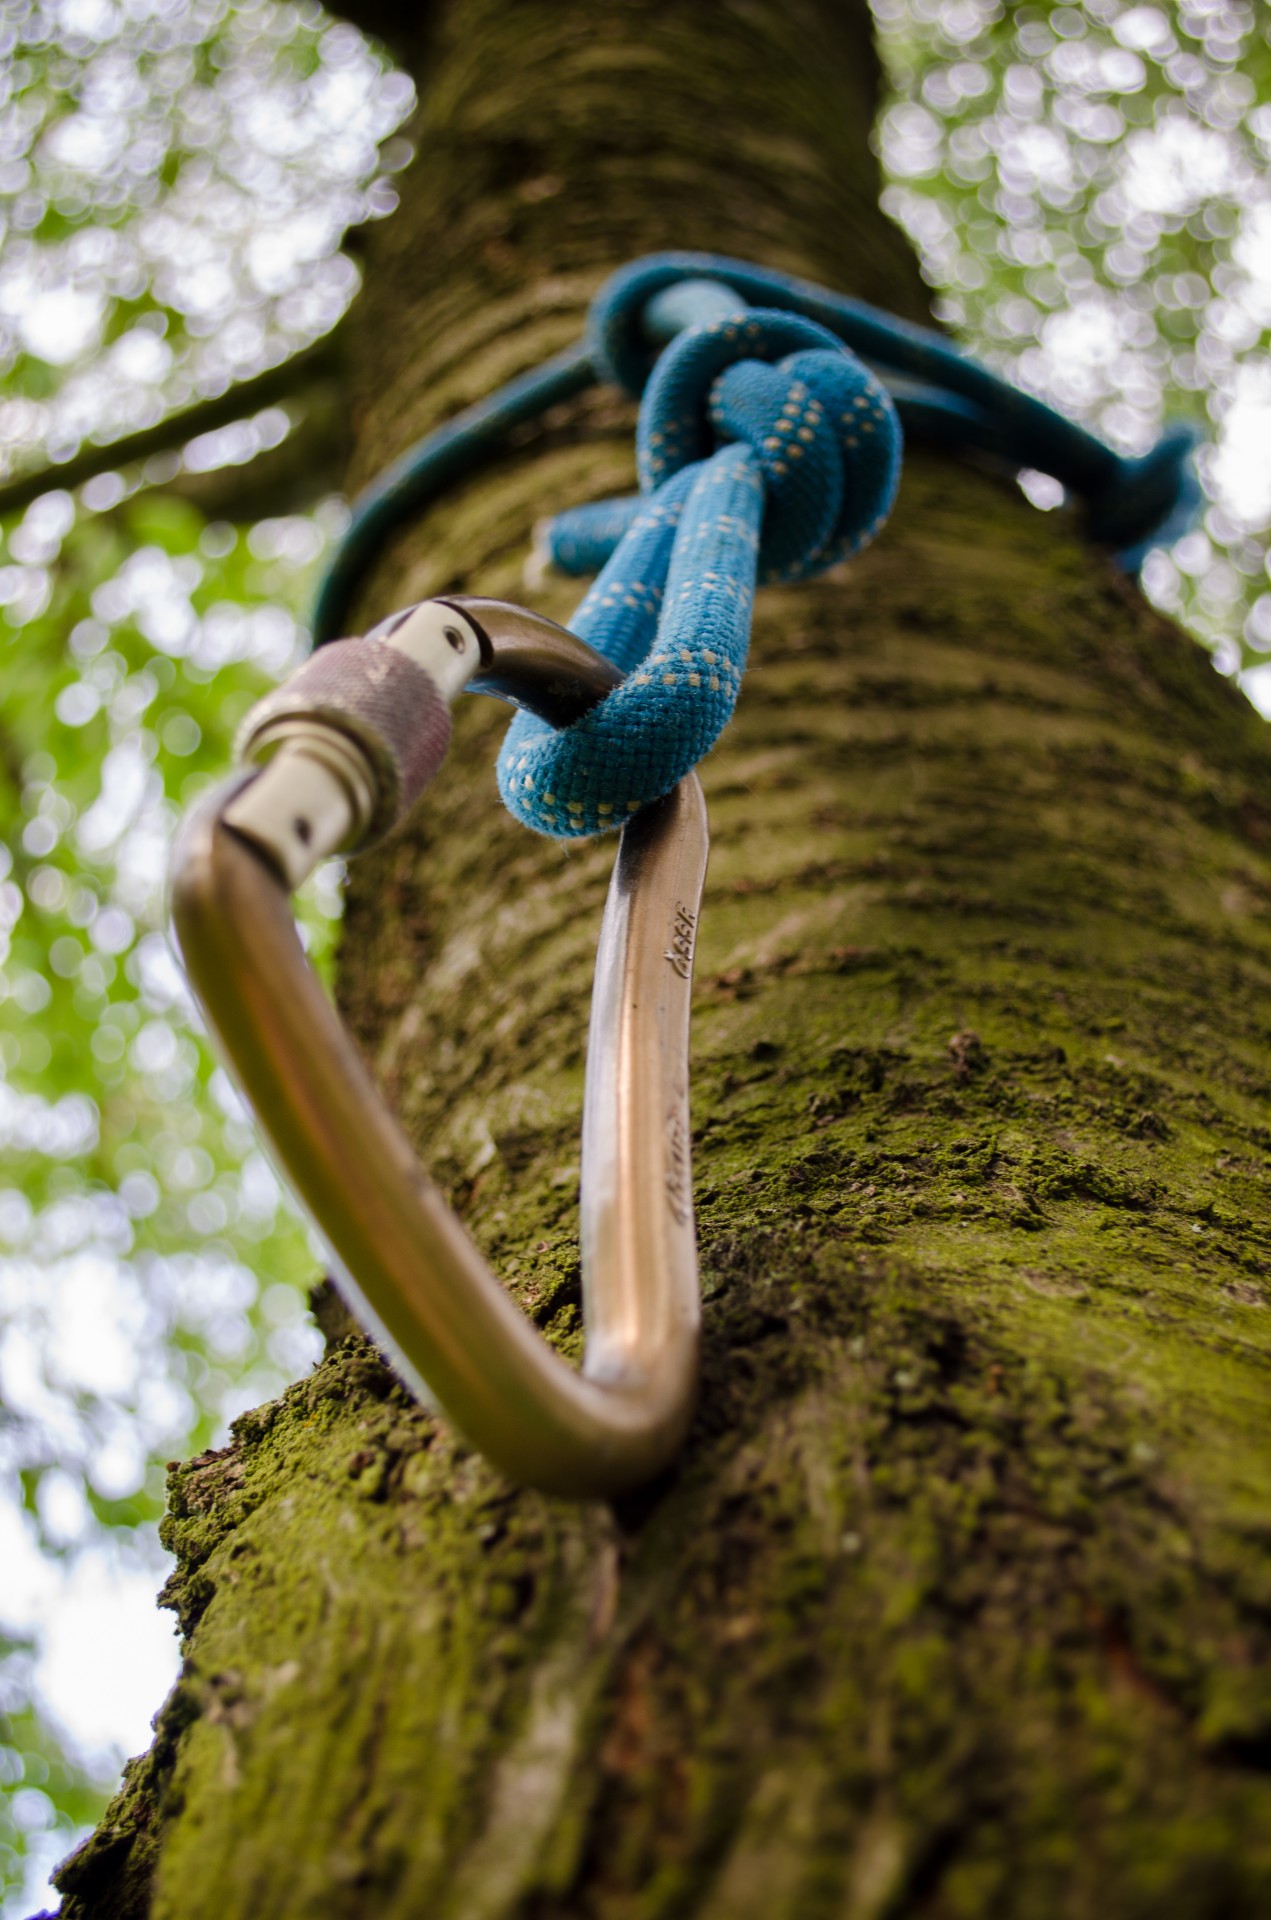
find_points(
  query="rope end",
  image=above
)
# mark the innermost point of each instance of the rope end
(1151, 501)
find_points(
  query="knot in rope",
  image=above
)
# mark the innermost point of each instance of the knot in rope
(765, 450)
(822, 429)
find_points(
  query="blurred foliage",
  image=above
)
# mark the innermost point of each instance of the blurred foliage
(176, 177)
(175, 183)
(1087, 188)
(47, 1796)
(153, 1281)
(144, 637)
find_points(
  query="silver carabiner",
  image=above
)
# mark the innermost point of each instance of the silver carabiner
(341, 751)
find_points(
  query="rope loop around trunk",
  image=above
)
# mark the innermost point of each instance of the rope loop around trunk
(768, 450)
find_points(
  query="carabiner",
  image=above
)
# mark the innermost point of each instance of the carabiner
(342, 750)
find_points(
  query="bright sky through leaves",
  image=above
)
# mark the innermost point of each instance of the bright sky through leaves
(175, 181)
(1088, 188)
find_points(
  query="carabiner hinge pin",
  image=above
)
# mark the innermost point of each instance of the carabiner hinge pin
(313, 797)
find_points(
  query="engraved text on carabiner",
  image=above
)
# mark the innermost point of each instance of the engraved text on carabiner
(683, 933)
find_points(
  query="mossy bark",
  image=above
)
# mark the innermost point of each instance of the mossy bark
(958, 1603)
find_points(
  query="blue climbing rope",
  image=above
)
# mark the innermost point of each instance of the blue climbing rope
(768, 449)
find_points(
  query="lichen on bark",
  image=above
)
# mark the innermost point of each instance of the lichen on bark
(957, 1604)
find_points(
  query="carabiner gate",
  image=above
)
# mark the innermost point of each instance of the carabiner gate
(341, 752)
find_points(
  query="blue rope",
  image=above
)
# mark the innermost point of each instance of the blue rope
(768, 449)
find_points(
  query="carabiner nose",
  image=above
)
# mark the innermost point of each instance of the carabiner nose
(533, 663)
(525, 658)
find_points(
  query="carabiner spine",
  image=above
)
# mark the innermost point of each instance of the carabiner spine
(637, 1226)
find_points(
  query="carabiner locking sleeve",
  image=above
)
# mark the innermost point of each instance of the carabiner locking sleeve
(342, 751)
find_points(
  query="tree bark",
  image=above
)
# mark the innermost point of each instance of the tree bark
(957, 1604)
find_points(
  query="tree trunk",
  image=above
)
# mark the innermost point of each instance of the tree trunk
(957, 1604)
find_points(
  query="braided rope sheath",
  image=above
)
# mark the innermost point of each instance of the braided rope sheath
(767, 451)
(939, 391)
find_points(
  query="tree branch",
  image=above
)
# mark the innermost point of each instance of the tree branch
(283, 382)
(288, 478)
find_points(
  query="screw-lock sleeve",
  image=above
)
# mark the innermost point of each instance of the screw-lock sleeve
(374, 695)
